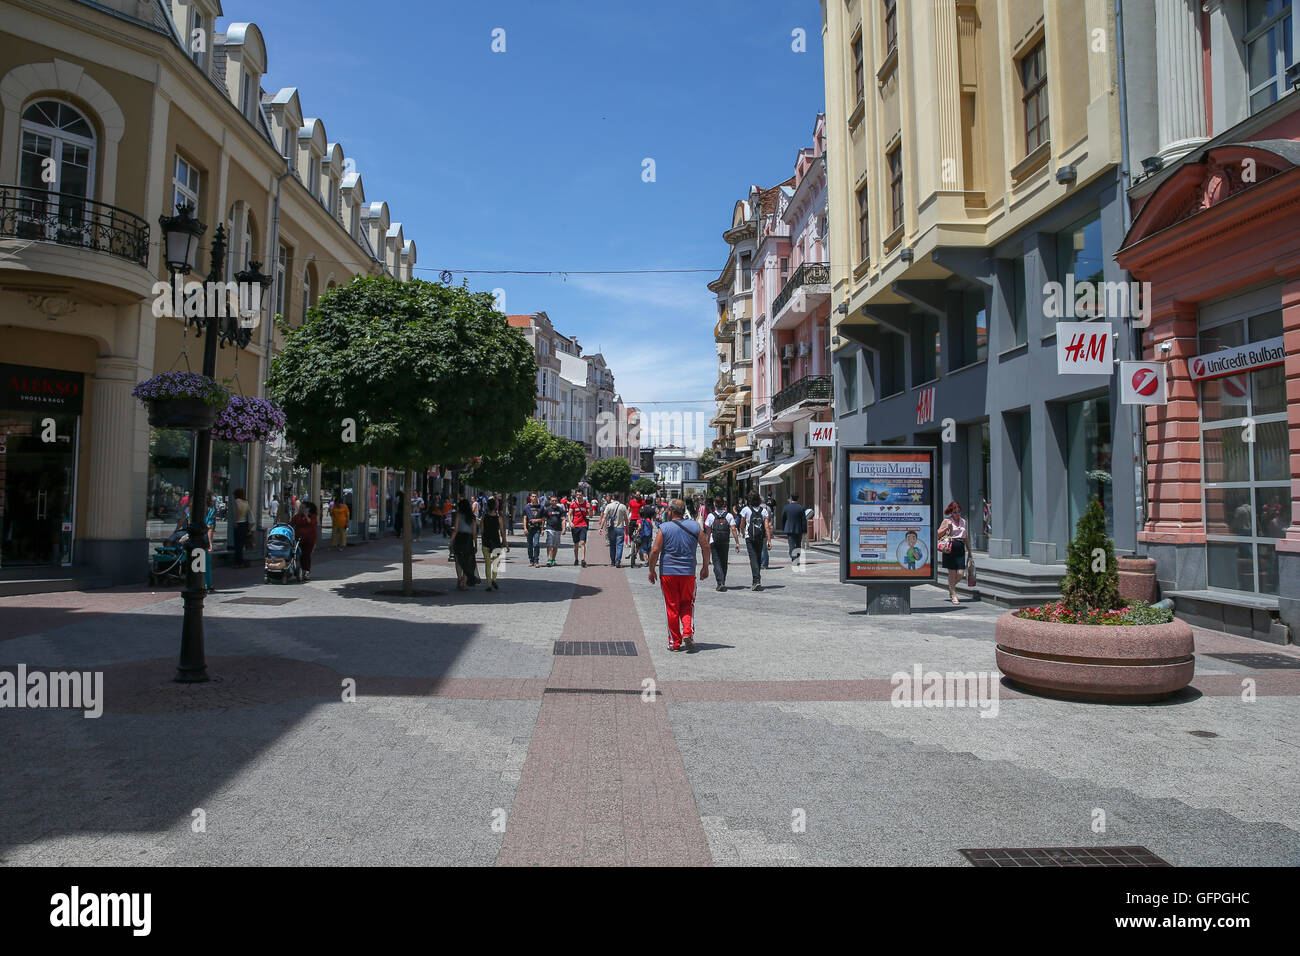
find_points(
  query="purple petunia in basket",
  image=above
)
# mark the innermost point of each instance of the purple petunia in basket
(173, 385)
(246, 419)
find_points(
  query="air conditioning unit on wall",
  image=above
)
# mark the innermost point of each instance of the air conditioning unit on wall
(805, 348)
(787, 351)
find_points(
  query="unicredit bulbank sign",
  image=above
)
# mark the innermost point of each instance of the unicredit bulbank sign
(1241, 359)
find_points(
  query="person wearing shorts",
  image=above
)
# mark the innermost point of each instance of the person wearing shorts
(555, 517)
(579, 513)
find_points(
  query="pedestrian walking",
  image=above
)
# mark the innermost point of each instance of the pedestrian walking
(340, 517)
(555, 515)
(613, 521)
(633, 528)
(399, 513)
(417, 516)
(306, 528)
(794, 524)
(673, 553)
(756, 526)
(579, 522)
(721, 526)
(510, 515)
(494, 541)
(645, 531)
(534, 523)
(463, 546)
(953, 541)
(242, 526)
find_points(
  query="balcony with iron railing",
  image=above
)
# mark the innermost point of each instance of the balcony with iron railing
(812, 277)
(38, 215)
(809, 390)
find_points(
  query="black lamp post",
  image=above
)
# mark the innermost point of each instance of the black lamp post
(180, 241)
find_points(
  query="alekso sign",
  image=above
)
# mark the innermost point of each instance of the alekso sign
(1244, 357)
(889, 514)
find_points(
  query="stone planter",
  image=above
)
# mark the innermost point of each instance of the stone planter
(1123, 664)
(185, 414)
(1137, 580)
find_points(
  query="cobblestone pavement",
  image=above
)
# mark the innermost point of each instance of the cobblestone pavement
(347, 726)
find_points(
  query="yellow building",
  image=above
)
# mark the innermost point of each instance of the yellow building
(975, 160)
(113, 112)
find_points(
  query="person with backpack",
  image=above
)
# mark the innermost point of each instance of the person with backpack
(613, 521)
(756, 526)
(675, 544)
(721, 526)
(645, 531)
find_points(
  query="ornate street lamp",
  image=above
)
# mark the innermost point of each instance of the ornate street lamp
(180, 240)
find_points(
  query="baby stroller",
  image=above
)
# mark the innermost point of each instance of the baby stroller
(282, 551)
(167, 563)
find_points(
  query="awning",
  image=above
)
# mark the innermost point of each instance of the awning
(752, 471)
(729, 466)
(773, 477)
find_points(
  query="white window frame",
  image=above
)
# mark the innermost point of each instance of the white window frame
(188, 188)
(1277, 79)
(59, 138)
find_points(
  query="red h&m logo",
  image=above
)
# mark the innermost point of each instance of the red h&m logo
(1085, 347)
(925, 406)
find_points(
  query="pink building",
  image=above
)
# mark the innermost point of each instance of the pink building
(792, 364)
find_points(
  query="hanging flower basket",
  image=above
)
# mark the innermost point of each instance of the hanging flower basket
(182, 400)
(247, 419)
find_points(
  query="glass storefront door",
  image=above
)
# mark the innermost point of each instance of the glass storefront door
(1088, 461)
(38, 478)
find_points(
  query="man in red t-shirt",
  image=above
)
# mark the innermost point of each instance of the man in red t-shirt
(579, 512)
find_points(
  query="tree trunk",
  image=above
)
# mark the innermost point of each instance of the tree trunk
(407, 583)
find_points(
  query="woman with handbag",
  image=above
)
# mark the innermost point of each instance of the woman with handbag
(464, 546)
(953, 542)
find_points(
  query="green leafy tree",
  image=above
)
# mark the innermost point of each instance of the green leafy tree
(568, 465)
(645, 486)
(403, 374)
(708, 462)
(610, 475)
(522, 466)
(1091, 571)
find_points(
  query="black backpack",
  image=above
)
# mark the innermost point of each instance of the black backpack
(756, 526)
(720, 530)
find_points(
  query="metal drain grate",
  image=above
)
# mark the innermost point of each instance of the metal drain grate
(595, 690)
(595, 648)
(1268, 662)
(1064, 856)
(268, 602)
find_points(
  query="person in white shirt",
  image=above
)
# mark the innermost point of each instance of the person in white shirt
(756, 527)
(613, 521)
(720, 525)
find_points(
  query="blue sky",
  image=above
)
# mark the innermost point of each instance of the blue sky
(531, 159)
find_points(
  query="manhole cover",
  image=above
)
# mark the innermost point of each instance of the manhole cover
(269, 602)
(595, 648)
(1260, 661)
(1064, 856)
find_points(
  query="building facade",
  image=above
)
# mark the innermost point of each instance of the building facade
(1214, 232)
(113, 112)
(974, 170)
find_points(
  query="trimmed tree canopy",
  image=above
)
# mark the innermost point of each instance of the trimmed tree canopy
(613, 475)
(406, 374)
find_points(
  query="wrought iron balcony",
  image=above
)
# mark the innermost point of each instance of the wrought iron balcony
(814, 389)
(810, 273)
(71, 220)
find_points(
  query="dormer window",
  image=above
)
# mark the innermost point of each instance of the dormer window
(198, 39)
(313, 175)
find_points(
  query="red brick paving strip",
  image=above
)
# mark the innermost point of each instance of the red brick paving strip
(604, 782)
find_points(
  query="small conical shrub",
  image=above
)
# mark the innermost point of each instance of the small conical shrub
(1083, 586)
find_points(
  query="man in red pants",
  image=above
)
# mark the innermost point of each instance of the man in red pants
(674, 554)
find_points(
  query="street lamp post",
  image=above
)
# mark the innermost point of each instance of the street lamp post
(180, 240)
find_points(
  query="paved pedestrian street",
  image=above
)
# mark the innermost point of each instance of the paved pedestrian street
(346, 726)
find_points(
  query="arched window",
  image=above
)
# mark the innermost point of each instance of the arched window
(58, 156)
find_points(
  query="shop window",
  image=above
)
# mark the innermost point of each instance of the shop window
(1021, 432)
(37, 479)
(1245, 461)
(1080, 253)
(925, 350)
(972, 338)
(893, 364)
(849, 383)
(1089, 459)
(171, 473)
